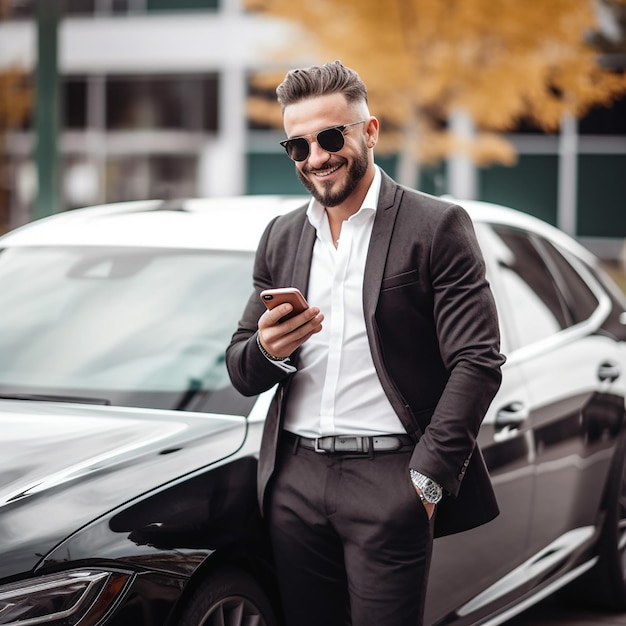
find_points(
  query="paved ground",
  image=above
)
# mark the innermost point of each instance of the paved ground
(550, 613)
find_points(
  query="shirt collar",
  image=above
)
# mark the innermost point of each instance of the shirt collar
(316, 212)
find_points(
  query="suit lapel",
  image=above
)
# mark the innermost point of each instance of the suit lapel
(302, 257)
(388, 203)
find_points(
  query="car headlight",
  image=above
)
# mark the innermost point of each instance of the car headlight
(61, 599)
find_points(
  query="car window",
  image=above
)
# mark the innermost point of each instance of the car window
(581, 300)
(490, 245)
(135, 327)
(534, 303)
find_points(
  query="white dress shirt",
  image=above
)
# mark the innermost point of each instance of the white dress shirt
(336, 390)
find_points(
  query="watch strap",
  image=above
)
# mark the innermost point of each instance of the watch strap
(429, 490)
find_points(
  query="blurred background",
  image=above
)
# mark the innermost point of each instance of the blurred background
(522, 104)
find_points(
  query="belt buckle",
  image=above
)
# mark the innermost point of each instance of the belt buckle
(358, 444)
(317, 448)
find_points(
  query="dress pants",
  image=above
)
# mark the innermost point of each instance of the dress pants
(351, 539)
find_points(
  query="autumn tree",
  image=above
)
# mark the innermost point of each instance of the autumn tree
(496, 62)
(15, 104)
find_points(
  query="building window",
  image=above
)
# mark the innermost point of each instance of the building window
(181, 5)
(26, 8)
(161, 102)
(79, 7)
(179, 103)
(140, 177)
(74, 102)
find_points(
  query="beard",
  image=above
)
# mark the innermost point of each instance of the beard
(325, 194)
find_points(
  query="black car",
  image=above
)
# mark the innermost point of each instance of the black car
(128, 462)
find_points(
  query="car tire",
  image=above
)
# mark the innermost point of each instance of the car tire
(604, 586)
(228, 596)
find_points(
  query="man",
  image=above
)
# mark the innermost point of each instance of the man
(383, 381)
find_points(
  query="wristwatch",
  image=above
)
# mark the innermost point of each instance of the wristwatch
(431, 491)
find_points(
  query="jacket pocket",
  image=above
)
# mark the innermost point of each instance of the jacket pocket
(399, 280)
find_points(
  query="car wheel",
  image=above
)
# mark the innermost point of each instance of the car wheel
(229, 596)
(605, 585)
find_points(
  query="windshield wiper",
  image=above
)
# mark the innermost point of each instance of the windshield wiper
(43, 397)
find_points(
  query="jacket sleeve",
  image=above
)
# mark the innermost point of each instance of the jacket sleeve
(467, 330)
(250, 371)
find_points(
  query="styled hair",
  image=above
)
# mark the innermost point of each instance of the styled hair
(320, 80)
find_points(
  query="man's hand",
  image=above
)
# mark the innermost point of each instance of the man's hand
(429, 506)
(280, 339)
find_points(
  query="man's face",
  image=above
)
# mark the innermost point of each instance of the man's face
(331, 177)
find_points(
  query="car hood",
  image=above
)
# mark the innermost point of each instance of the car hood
(63, 465)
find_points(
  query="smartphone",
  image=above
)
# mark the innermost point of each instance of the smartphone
(274, 297)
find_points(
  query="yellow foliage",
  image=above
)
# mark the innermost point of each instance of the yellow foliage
(264, 110)
(501, 61)
(15, 98)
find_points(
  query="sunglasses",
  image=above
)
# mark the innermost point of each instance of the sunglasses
(328, 139)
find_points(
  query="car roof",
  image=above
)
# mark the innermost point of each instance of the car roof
(234, 223)
(240, 221)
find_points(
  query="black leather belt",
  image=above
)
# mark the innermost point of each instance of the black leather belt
(352, 444)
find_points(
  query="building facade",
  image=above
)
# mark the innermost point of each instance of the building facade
(153, 105)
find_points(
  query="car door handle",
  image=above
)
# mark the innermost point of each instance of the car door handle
(609, 371)
(511, 415)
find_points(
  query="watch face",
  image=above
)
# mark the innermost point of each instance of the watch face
(432, 492)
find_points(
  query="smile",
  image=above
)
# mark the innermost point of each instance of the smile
(325, 172)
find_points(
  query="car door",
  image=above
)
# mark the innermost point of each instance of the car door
(574, 377)
(471, 571)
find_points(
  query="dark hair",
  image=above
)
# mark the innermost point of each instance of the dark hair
(320, 80)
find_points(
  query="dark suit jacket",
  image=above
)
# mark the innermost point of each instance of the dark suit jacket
(433, 332)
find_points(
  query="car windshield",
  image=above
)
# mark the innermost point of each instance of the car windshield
(125, 326)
